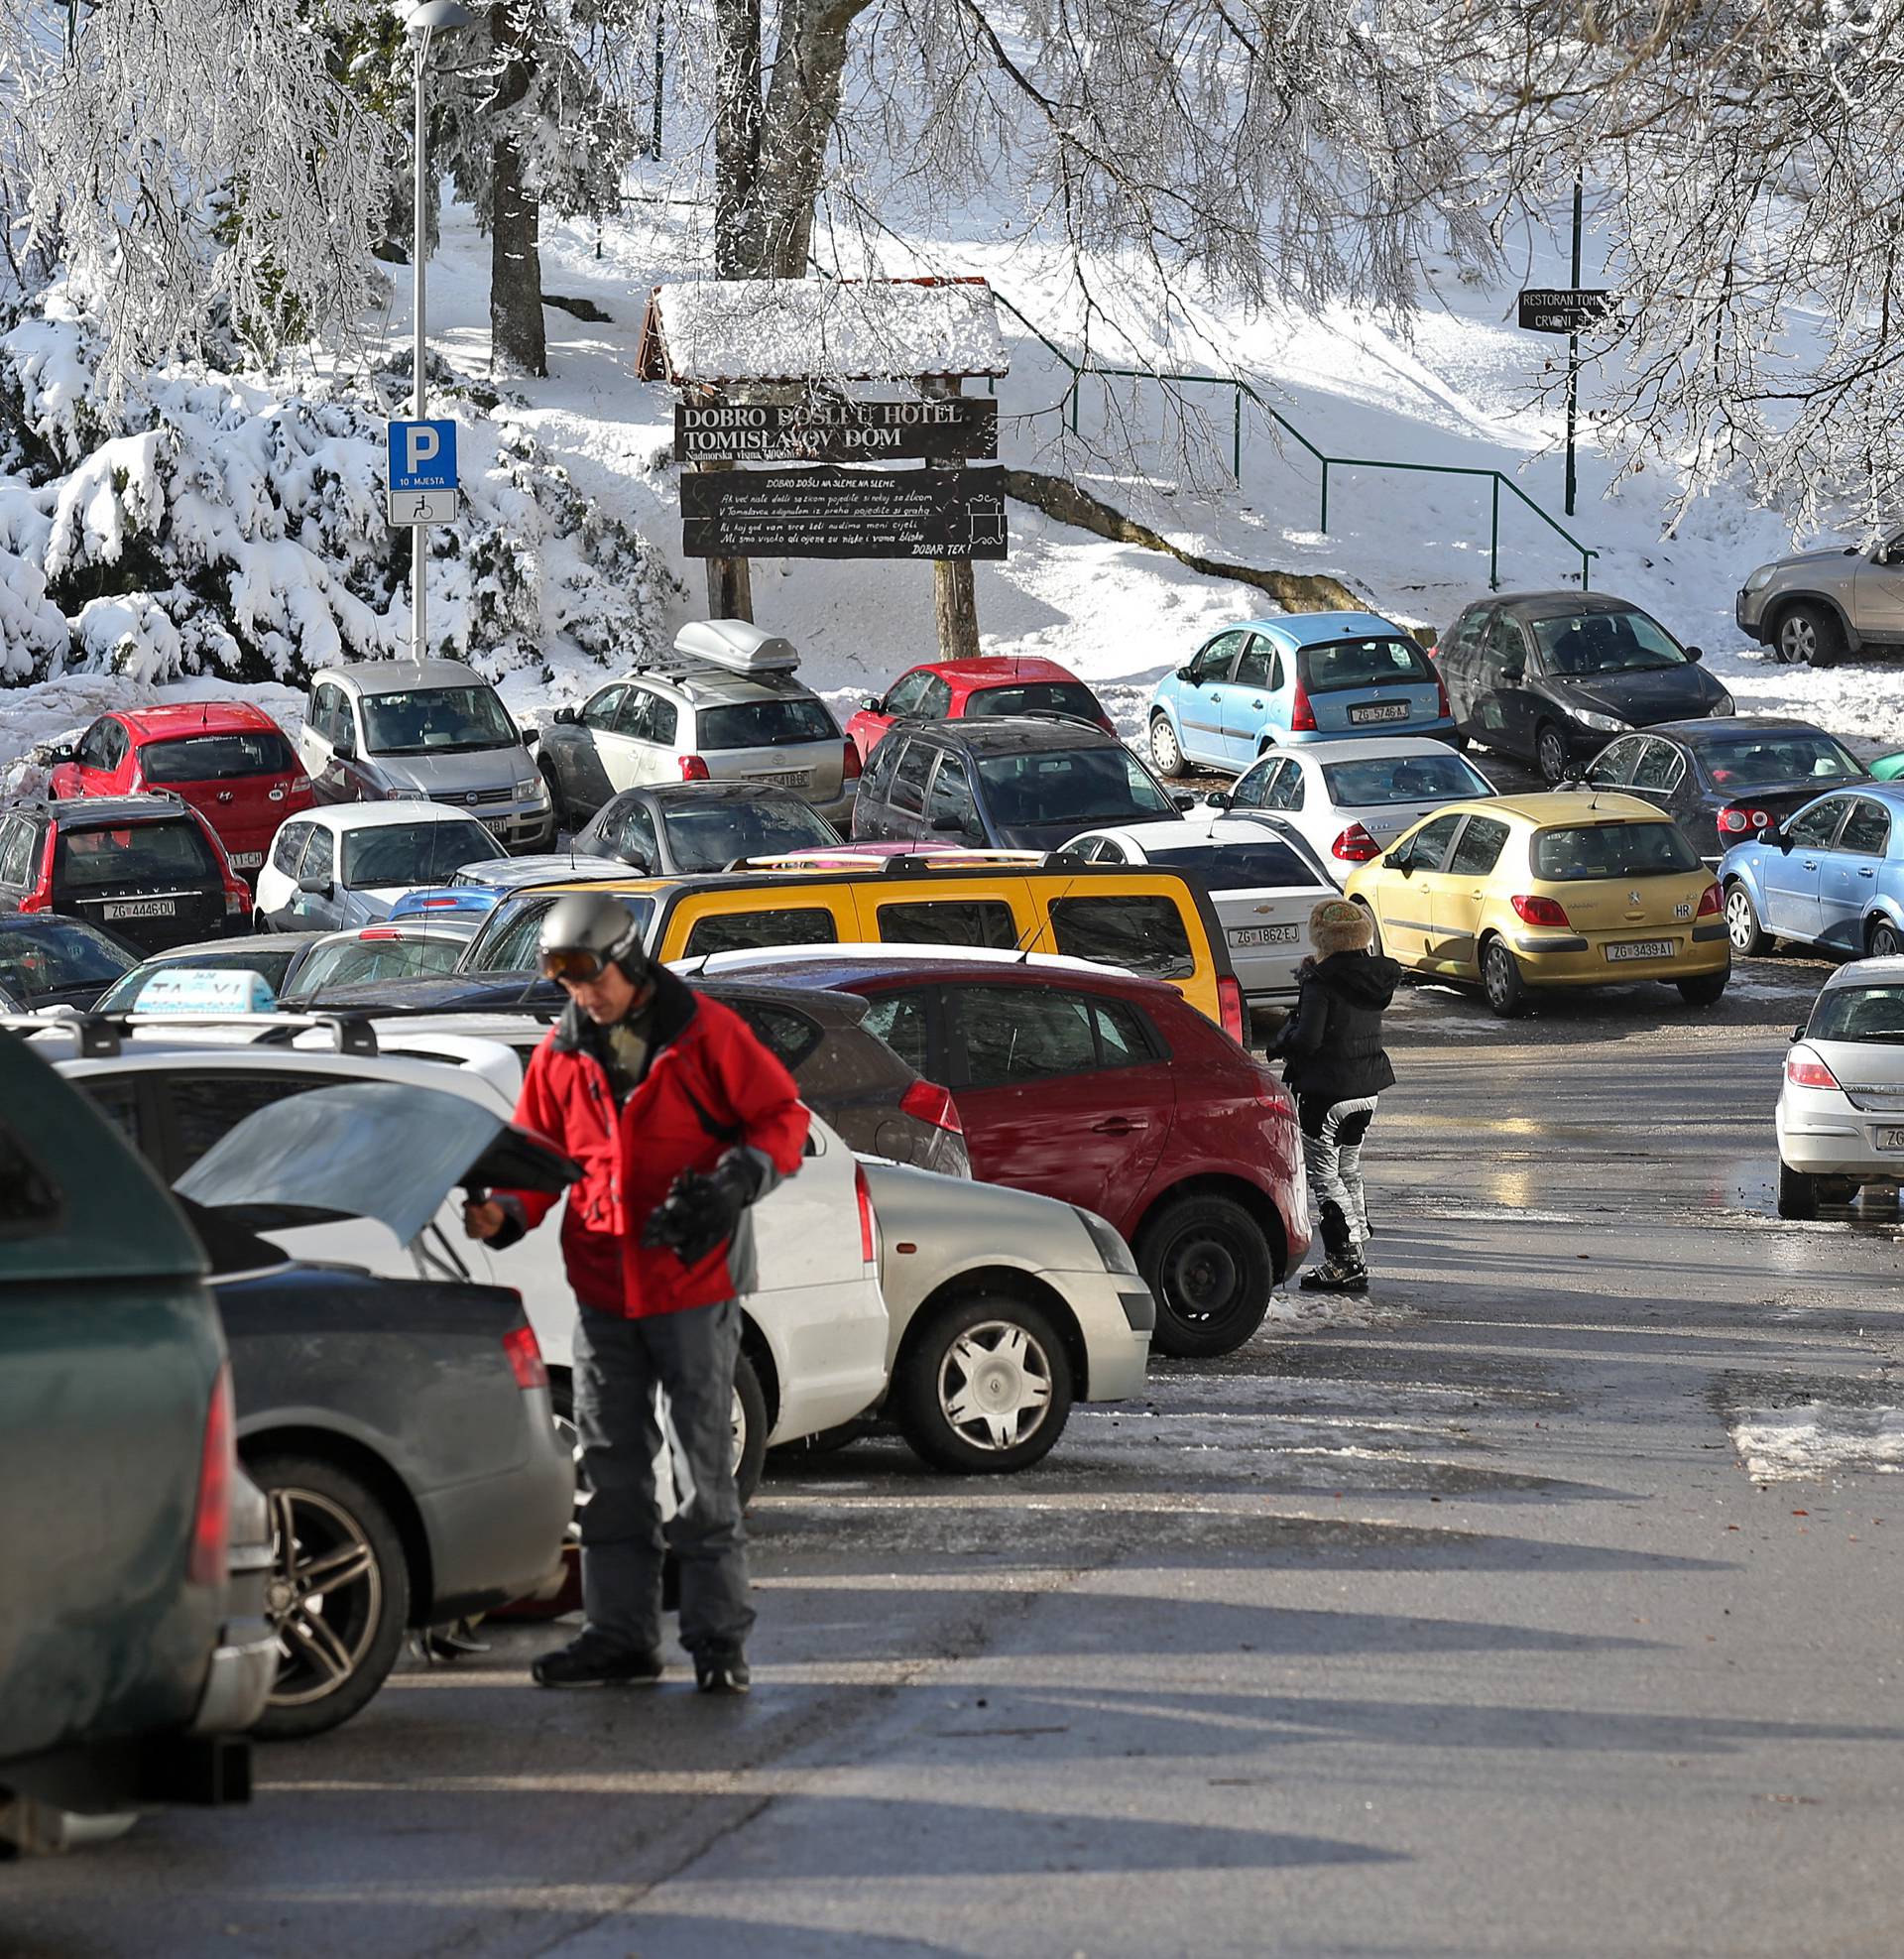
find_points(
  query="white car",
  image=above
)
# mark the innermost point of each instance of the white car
(1263, 884)
(1351, 800)
(813, 1338)
(1841, 1107)
(345, 864)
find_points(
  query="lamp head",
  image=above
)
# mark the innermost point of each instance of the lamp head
(433, 14)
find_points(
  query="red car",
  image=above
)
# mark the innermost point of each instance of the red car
(1109, 1092)
(227, 758)
(951, 689)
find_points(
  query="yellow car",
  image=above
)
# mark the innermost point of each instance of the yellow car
(1573, 888)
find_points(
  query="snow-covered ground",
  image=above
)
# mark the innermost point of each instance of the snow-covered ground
(1819, 1438)
(1454, 392)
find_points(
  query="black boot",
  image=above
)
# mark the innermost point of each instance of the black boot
(592, 1662)
(722, 1669)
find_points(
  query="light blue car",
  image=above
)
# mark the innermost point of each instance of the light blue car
(1307, 677)
(1831, 874)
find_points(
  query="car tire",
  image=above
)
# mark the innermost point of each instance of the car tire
(1706, 991)
(750, 1427)
(1837, 1189)
(1742, 924)
(1207, 1265)
(557, 803)
(1883, 940)
(1797, 1194)
(331, 1526)
(1810, 635)
(1501, 978)
(1165, 750)
(984, 1386)
(1550, 753)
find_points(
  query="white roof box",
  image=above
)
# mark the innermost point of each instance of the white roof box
(738, 645)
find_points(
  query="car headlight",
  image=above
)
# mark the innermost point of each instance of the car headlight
(1760, 578)
(1601, 724)
(1111, 1249)
(530, 790)
(1723, 706)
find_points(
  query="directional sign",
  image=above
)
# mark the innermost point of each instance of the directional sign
(1564, 308)
(422, 506)
(422, 456)
(838, 513)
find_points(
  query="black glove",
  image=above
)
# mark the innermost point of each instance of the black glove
(701, 1212)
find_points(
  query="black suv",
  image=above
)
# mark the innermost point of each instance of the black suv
(1021, 783)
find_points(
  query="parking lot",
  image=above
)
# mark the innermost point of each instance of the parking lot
(1459, 1606)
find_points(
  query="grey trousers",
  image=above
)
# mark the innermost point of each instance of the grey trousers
(619, 1364)
(1332, 1134)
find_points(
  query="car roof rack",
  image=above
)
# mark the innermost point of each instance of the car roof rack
(103, 1035)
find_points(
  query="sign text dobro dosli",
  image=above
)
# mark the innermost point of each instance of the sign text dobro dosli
(835, 432)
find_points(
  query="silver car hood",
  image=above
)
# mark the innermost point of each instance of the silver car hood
(457, 772)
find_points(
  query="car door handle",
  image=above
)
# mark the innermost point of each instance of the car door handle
(1865, 870)
(1811, 863)
(1119, 1125)
(1256, 704)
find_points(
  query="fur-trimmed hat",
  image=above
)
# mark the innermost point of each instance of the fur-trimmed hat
(1339, 925)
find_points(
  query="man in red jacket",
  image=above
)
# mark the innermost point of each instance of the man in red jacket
(680, 1119)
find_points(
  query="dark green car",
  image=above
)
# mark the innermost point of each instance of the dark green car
(124, 1676)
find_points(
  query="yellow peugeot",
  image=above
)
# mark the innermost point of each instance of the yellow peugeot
(1573, 888)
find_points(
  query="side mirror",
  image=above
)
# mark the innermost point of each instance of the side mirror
(1514, 676)
(871, 703)
(637, 863)
(1220, 798)
(529, 736)
(1397, 861)
(1184, 798)
(317, 887)
(1798, 1034)
(60, 752)
(566, 716)
(948, 823)
(1777, 835)
(1184, 673)
(1695, 654)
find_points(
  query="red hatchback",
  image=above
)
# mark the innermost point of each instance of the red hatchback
(1107, 1091)
(227, 758)
(994, 684)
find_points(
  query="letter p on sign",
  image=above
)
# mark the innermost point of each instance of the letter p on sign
(420, 444)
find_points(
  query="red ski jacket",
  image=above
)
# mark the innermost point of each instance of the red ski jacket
(711, 1086)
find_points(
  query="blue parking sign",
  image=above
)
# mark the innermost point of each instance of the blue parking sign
(423, 456)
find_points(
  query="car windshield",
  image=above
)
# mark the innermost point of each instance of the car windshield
(412, 853)
(217, 758)
(764, 724)
(363, 961)
(1373, 663)
(58, 954)
(1237, 866)
(163, 855)
(1576, 644)
(1036, 697)
(269, 962)
(1081, 786)
(705, 838)
(435, 722)
(1384, 779)
(1860, 1013)
(1586, 851)
(1748, 759)
(508, 940)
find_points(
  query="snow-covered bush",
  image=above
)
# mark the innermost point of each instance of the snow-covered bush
(217, 523)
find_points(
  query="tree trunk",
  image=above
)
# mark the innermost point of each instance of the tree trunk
(801, 106)
(517, 343)
(736, 139)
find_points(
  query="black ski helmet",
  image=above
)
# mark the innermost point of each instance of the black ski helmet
(595, 922)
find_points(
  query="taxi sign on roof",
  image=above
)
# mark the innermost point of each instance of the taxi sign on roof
(205, 990)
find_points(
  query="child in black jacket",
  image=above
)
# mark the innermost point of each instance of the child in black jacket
(1337, 1068)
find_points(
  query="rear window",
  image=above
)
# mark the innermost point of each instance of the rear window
(159, 854)
(1383, 779)
(1587, 851)
(1860, 1013)
(1752, 761)
(1078, 787)
(949, 922)
(764, 724)
(747, 931)
(269, 962)
(710, 838)
(55, 954)
(1142, 933)
(1364, 663)
(1036, 697)
(412, 853)
(791, 1036)
(366, 961)
(1237, 866)
(217, 758)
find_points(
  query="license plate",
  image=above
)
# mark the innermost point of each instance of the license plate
(1890, 1139)
(247, 860)
(791, 778)
(1263, 936)
(1392, 710)
(1642, 948)
(143, 908)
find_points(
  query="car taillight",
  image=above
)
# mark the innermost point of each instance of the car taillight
(694, 769)
(1708, 902)
(237, 901)
(1443, 705)
(380, 931)
(1804, 1070)
(1734, 820)
(850, 760)
(1540, 911)
(1229, 1007)
(868, 1243)
(209, 1555)
(297, 786)
(1355, 845)
(1302, 717)
(932, 1104)
(525, 1358)
(40, 897)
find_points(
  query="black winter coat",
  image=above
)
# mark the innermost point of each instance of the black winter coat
(1332, 1045)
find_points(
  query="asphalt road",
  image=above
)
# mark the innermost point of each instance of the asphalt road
(1455, 1624)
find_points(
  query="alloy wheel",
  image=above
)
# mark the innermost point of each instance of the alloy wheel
(995, 1385)
(1740, 926)
(1885, 942)
(1552, 751)
(324, 1598)
(1797, 640)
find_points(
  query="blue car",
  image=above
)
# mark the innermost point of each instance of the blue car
(1830, 875)
(1308, 676)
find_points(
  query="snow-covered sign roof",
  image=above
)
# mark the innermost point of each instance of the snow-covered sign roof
(709, 331)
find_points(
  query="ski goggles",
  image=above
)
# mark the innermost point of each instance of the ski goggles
(576, 964)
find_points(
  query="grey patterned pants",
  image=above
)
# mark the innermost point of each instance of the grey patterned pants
(1332, 1134)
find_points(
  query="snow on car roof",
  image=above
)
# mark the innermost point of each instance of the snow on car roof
(712, 330)
(1365, 748)
(380, 815)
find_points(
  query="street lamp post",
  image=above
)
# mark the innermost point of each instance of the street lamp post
(422, 24)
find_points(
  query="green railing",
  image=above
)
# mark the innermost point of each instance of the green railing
(1328, 463)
